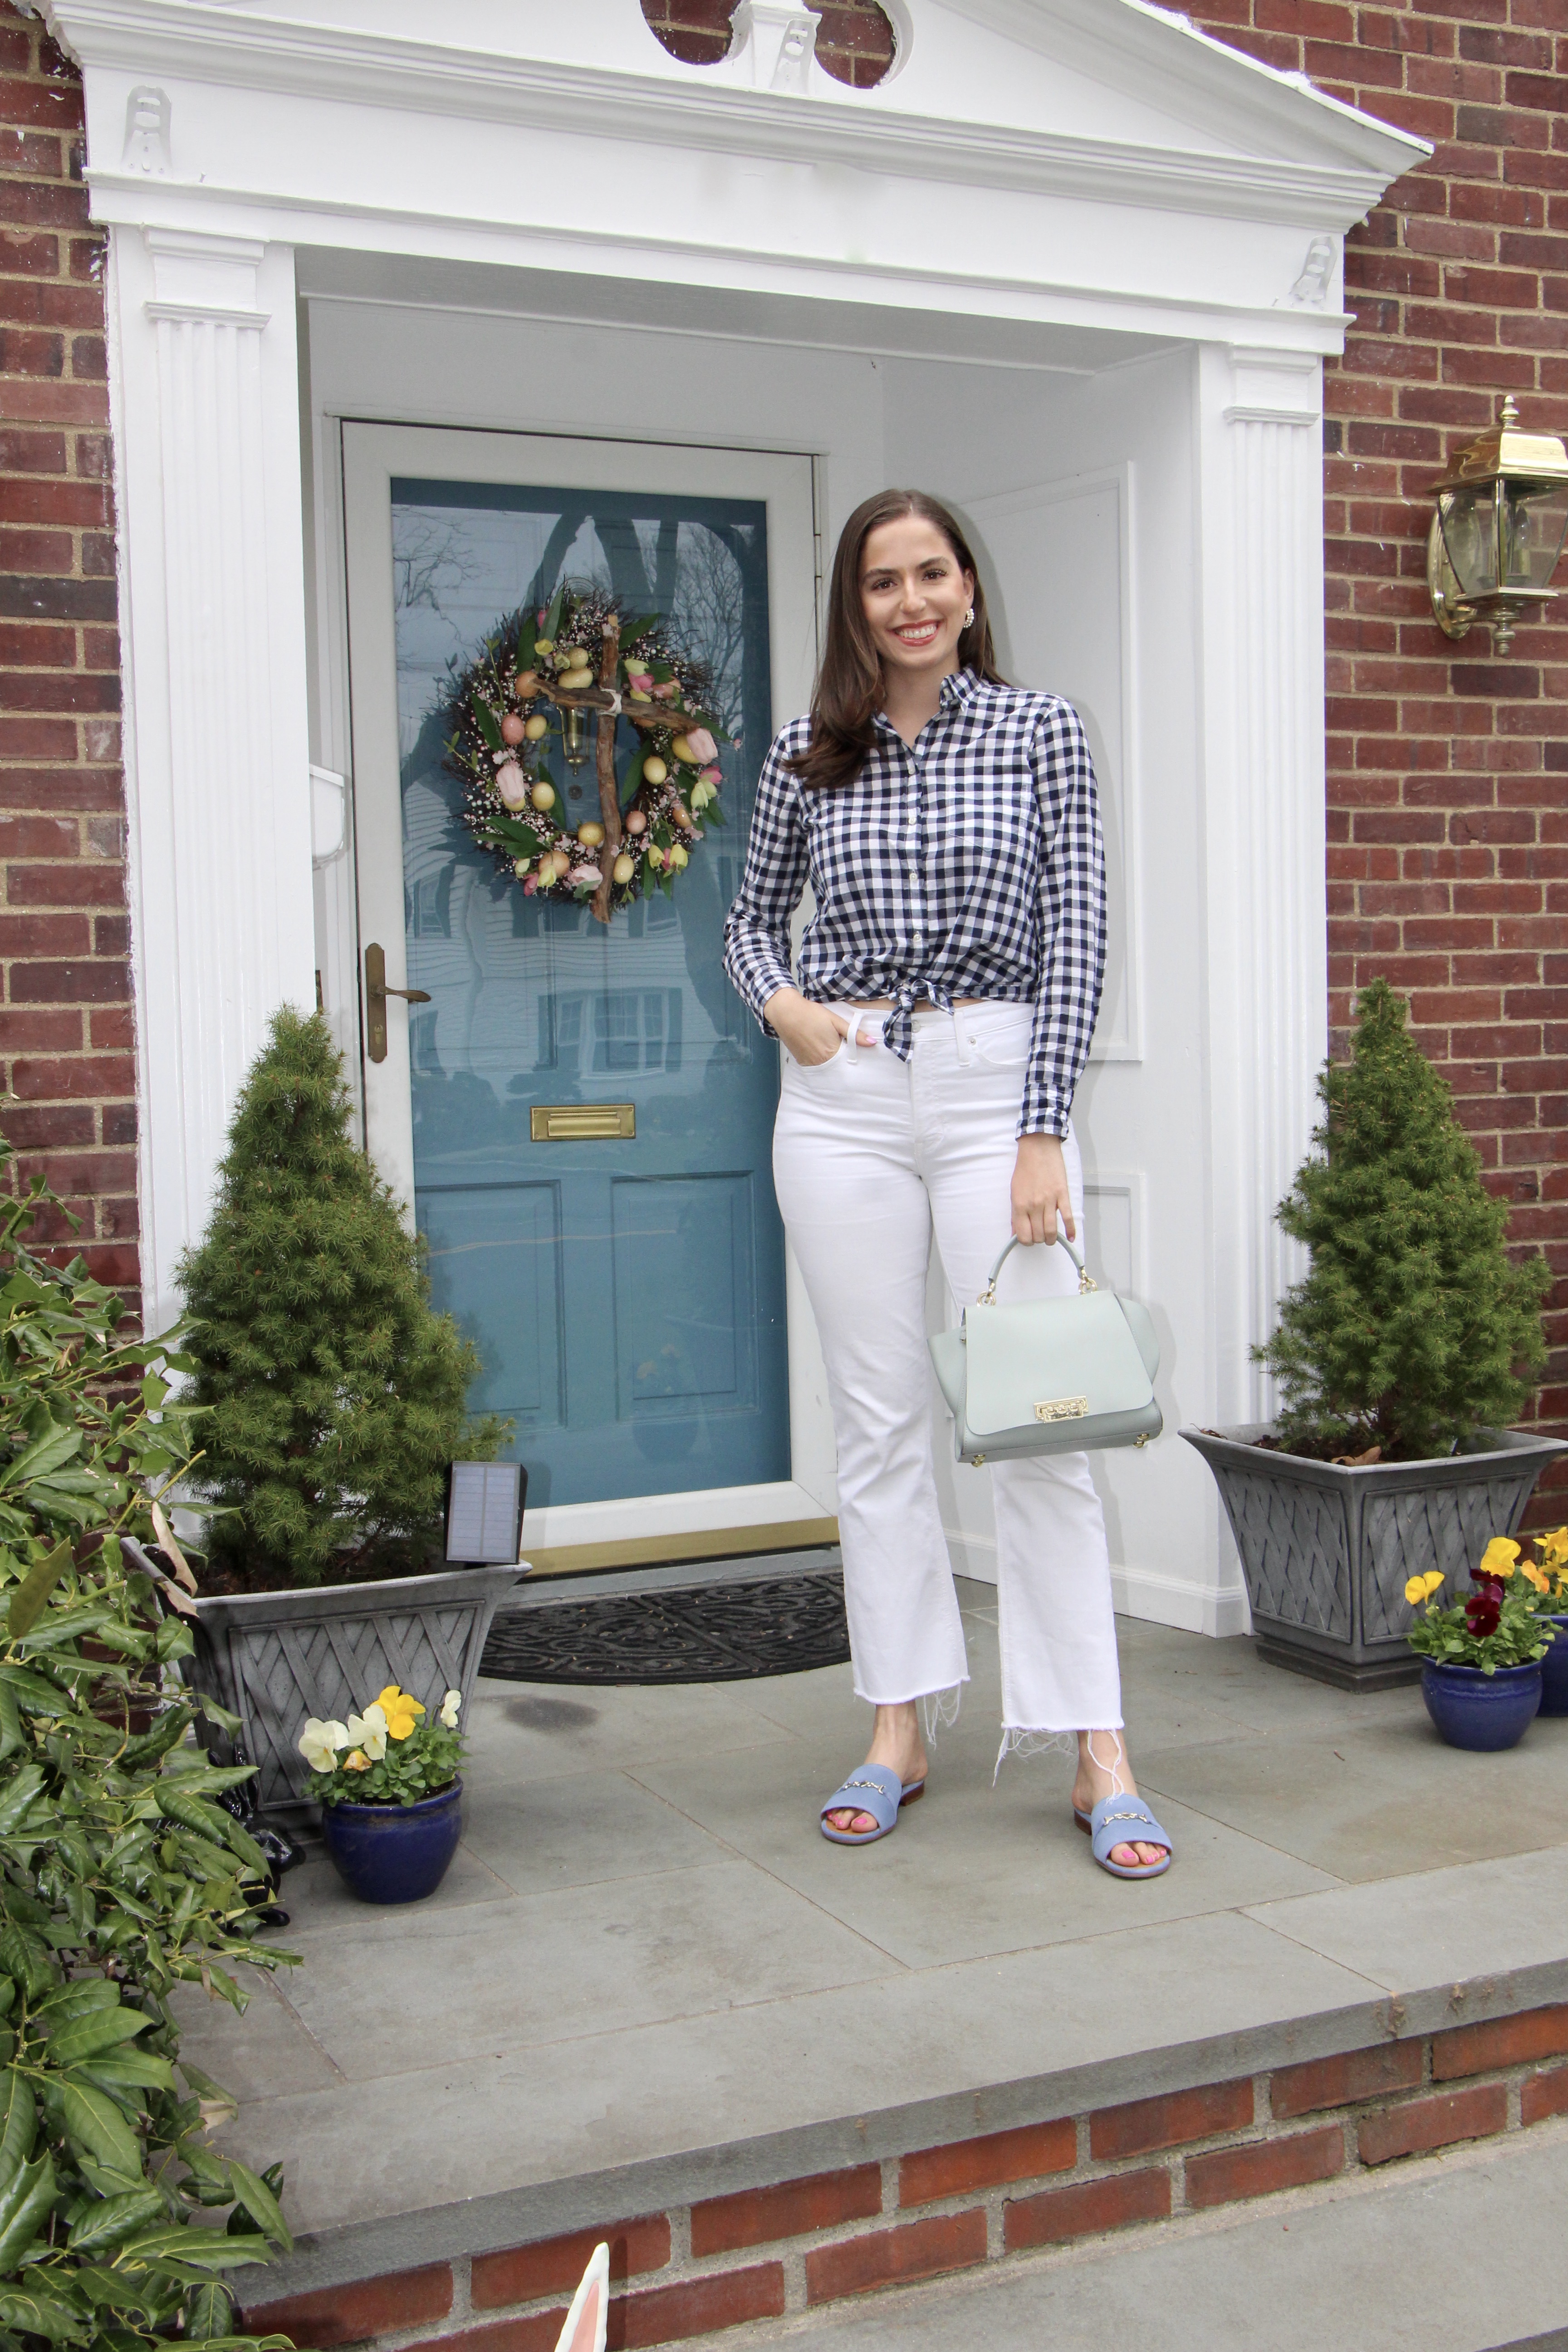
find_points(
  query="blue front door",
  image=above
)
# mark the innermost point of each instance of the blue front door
(625, 1293)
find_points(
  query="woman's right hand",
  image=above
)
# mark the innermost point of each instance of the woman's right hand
(812, 1033)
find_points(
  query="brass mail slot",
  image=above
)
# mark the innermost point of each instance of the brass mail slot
(580, 1122)
(1062, 1409)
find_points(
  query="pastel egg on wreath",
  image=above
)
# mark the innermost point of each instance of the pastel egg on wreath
(682, 816)
(591, 835)
(624, 867)
(654, 771)
(636, 822)
(525, 684)
(536, 729)
(544, 795)
(512, 728)
(512, 784)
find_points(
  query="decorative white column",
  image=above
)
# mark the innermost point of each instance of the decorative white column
(206, 411)
(1265, 829)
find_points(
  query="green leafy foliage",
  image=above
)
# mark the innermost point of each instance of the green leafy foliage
(1413, 1325)
(329, 1396)
(118, 1878)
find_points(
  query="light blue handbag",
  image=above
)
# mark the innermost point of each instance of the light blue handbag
(1052, 1375)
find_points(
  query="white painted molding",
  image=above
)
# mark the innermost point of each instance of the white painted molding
(1144, 1593)
(1163, 59)
(773, 45)
(1265, 835)
(1147, 1593)
(1335, 165)
(204, 379)
(212, 280)
(329, 816)
(1274, 388)
(1124, 1043)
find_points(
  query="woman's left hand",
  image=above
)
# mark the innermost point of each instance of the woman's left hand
(1040, 1189)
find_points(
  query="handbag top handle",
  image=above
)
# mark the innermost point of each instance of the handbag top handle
(1085, 1280)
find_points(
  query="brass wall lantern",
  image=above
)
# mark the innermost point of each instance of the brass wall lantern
(1502, 509)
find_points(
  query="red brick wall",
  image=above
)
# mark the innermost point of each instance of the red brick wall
(790, 2245)
(1448, 767)
(854, 39)
(65, 1022)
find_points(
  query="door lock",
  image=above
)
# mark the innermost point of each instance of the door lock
(376, 993)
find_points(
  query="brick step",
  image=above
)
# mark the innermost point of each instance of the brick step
(691, 2269)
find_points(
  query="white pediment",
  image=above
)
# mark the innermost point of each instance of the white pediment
(1021, 90)
(1087, 160)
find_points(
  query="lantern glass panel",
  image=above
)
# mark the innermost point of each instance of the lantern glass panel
(1470, 536)
(1534, 516)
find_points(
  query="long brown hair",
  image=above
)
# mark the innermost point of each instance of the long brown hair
(849, 690)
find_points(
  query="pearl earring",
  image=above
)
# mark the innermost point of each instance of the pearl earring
(969, 618)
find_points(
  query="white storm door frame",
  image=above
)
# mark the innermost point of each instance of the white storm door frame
(374, 456)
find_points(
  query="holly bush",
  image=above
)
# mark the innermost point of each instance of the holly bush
(120, 1876)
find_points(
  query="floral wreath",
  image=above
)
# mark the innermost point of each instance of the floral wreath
(545, 673)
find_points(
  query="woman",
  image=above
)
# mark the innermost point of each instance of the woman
(949, 981)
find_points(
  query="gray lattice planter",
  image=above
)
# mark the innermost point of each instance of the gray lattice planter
(1327, 1551)
(274, 1658)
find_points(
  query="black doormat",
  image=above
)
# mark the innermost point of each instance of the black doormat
(709, 1633)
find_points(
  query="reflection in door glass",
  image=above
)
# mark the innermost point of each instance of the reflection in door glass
(625, 1295)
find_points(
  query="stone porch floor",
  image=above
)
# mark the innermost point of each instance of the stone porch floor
(648, 1977)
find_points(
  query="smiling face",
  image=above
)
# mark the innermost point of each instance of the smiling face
(915, 594)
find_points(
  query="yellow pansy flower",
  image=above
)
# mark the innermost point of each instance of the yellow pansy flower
(1541, 1583)
(1498, 1557)
(402, 1711)
(358, 1761)
(1415, 1590)
(1553, 1548)
(1432, 1579)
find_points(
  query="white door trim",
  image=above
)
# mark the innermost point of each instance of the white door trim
(372, 456)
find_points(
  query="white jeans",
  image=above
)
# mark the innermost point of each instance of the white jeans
(869, 1152)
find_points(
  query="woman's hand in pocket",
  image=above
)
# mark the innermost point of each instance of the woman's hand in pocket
(1040, 1189)
(812, 1033)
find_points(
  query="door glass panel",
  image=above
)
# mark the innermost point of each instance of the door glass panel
(625, 1293)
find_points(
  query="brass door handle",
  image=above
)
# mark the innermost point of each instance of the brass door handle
(376, 993)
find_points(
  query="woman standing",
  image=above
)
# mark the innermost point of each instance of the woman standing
(949, 983)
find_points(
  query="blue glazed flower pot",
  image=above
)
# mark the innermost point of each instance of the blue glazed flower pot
(1479, 1711)
(395, 1853)
(1554, 1670)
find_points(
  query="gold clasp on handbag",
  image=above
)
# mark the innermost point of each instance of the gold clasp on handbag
(1061, 1408)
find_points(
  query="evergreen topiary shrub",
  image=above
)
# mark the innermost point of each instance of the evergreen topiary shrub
(1412, 1325)
(329, 1396)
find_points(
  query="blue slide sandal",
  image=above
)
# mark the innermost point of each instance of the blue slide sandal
(875, 1790)
(1107, 1827)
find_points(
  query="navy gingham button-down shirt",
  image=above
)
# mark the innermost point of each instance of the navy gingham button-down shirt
(969, 864)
